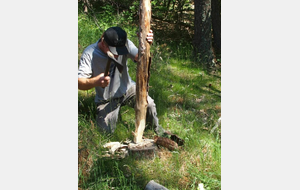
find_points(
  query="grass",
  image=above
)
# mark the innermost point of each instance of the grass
(188, 101)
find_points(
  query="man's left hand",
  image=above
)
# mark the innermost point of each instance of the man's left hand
(149, 37)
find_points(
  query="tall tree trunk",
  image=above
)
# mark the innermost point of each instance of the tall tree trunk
(203, 35)
(142, 73)
(86, 4)
(216, 24)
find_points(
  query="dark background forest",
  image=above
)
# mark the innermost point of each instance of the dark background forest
(195, 22)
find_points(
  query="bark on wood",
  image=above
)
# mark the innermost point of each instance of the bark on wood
(202, 36)
(165, 142)
(216, 24)
(142, 74)
(86, 5)
(146, 151)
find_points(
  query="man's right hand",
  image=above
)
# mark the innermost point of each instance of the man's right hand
(103, 81)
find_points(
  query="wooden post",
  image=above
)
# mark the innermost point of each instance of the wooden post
(142, 73)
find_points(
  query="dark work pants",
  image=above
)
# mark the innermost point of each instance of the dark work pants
(107, 113)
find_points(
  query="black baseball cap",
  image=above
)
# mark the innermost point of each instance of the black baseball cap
(116, 39)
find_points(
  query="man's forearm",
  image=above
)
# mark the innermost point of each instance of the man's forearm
(88, 83)
(85, 83)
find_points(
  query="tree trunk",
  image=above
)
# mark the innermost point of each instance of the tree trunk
(142, 73)
(216, 24)
(86, 4)
(203, 35)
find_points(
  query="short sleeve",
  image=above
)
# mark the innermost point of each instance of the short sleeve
(133, 50)
(85, 67)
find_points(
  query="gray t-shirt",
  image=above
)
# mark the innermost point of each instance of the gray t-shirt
(93, 62)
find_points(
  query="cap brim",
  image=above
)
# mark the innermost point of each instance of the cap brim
(119, 50)
(111, 56)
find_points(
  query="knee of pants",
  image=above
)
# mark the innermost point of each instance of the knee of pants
(102, 125)
(107, 122)
(151, 108)
(151, 117)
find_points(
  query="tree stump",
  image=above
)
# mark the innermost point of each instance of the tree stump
(144, 149)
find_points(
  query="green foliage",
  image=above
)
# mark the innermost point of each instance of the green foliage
(88, 31)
